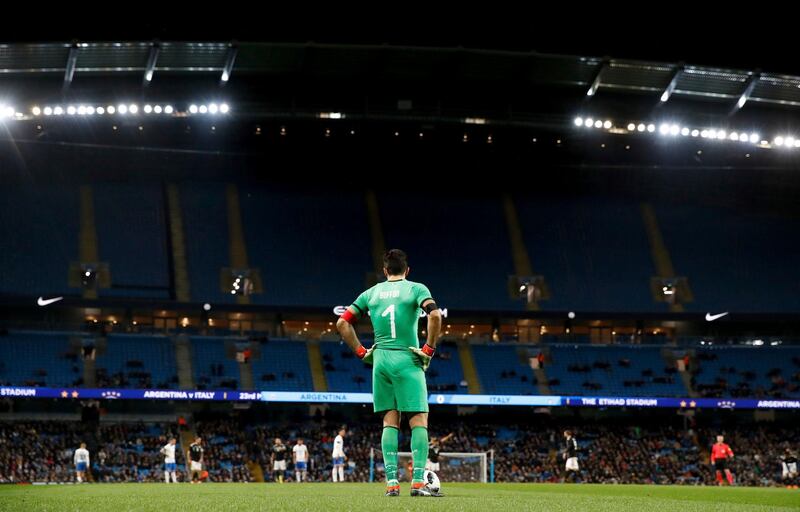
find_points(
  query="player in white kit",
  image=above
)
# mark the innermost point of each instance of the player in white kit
(81, 460)
(339, 457)
(168, 451)
(300, 456)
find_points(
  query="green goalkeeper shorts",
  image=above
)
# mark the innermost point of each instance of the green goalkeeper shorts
(398, 382)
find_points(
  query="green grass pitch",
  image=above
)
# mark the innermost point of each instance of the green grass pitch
(209, 497)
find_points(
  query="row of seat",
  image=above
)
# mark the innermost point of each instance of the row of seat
(313, 248)
(139, 361)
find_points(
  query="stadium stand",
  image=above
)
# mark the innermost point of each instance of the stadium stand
(735, 259)
(503, 370)
(312, 248)
(205, 222)
(345, 372)
(447, 375)
(593, 253)
(126, 452)
(130, 220)
(55, 359)
(137, 361)
(40, 359)
(225, 450)
(632, 370)
(212, 367)
(747, 372)
(610, 453)
(458, 247)
(39, 230)
(283, 365)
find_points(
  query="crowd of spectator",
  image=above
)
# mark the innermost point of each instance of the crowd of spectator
(234, 452)
(42, 451)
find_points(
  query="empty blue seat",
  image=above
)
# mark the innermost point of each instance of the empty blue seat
(208, 351)
(285, 365)
(131, 237)
(504, 370)
(615, 370)
(32, 358)
(146, 361)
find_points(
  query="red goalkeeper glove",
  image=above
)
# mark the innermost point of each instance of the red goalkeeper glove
(365, 354)
(425, 354)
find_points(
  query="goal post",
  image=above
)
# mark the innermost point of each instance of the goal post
(453, 466)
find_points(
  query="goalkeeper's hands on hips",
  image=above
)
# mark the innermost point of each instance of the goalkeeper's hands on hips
(425, 355)
(365, 354)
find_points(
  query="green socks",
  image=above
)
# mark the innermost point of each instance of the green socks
(389, 446)
(419, 449)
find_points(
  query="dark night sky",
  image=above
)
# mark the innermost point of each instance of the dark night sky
(727, 37)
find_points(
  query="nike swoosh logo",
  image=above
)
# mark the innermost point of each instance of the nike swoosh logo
(44, 302)
(711, 318)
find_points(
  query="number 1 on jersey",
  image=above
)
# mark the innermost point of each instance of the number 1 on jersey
(390, 311)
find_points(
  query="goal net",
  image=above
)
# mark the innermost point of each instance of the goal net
(453, 466)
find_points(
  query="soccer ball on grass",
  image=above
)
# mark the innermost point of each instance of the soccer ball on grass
(432, 481)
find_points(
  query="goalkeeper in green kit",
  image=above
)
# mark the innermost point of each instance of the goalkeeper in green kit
(398, 363)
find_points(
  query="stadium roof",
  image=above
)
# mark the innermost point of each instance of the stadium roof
(460, 64)
(421, 63)
(528, 92)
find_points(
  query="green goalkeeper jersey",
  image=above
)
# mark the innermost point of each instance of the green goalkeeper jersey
(394, 308)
